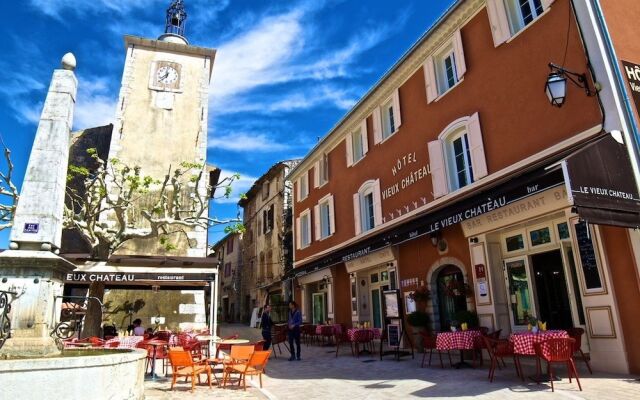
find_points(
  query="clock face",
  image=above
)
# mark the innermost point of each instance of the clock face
(166, 75)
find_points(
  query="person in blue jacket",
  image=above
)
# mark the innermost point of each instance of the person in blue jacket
(295, 321)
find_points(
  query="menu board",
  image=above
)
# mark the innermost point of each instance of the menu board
(588, 257)
(391, 304)
(394, 335)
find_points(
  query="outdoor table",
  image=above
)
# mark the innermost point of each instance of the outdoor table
(458, 340)
(154, 343)
(207, 338)
(523, 345)
(125, 342)
(335, 329)
(354, 333)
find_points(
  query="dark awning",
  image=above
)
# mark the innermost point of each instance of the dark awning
(502, 194)
(601, 185)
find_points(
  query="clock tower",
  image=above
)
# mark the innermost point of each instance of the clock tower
(161, 116)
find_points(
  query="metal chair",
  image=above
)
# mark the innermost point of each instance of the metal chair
(576, 334)
(498, 350)
(559, 350)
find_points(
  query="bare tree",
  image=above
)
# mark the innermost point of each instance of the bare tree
(116, 204)
(8, 193)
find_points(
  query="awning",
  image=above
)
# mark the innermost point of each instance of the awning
(600, 183)
(501, 195)
(143, 271)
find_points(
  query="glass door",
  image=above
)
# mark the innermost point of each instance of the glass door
(518, 280)
(376, 308)
(318, 308)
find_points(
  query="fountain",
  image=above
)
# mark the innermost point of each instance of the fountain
(31, 277)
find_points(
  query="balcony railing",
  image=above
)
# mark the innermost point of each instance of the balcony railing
(6, 298)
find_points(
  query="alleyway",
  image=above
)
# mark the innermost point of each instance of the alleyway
(320, 375)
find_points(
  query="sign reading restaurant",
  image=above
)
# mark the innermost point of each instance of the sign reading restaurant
(119, 277)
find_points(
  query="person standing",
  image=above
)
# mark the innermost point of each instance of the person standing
(295, 321)
(266, 323)
(138, 330)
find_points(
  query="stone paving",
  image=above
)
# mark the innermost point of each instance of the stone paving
(320, 375)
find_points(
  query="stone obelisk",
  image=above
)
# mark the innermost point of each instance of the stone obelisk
(31, 268)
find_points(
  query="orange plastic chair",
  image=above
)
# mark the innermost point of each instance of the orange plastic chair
(576, 334)
(558, 350)
(254, 366)
(238, 355)
(259, 345)
(183, 365)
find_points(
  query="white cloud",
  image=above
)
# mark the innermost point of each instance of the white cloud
(95, 106)
(55, 8)
(239, 186)
(242, 141)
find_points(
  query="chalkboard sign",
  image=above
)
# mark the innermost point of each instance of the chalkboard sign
(393, 335)
(587, 256)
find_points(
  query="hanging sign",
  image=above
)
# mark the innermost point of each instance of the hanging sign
(632, 73)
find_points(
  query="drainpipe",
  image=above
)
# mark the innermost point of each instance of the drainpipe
(621, 96)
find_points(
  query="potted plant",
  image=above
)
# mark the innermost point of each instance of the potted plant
(421, 294)
(420, 322)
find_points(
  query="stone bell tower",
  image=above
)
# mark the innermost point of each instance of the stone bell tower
(161, 116)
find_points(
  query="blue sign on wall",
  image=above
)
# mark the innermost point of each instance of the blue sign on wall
(31, 228)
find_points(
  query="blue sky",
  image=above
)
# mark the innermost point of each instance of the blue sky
(285, 73)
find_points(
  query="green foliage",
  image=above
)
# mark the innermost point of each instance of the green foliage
(243, 196)
(235, 228)
(470, 317)
(164, 242)
(419, 319)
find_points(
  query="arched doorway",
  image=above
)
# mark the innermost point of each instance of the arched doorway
(449, 302)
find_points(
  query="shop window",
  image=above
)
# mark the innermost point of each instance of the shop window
(563, 231)
(325, 218)
(445, 69)
(514, 243)
(540, 237)
(367, 208)
(387, 118)
(508, 17)
(374, 278)
(457, 159)
(384, 276)
(357, 145)
(519, 291)
(392, 280)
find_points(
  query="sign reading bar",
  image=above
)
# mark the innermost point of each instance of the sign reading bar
(120, 277)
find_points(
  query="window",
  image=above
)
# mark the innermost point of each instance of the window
(303, 229)
(445, 69)
(227, 269)
(303, 186)
(457, 159)
(508, 17)
(367, 208)
(265, 190)
(325, 218)
(357, 144)
(387, 118)
(267, 219)
(230, 245)
(321, 171)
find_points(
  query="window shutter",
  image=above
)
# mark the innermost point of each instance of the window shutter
(377, 126)
(476, 147)
(298, 233)
(461, 66)
(397, 117)
(430, 79)
(356, 213)
(332, 216)
(365, 137)
(438, 171)
(297, 183)
(498, 21)
(316, 221)
(316, 174)
(547, 3)
(349, 144)
(377, 204)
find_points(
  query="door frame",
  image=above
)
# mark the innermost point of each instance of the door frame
(533, 296)
(323, 297)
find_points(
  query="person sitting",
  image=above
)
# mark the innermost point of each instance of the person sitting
(138, 330)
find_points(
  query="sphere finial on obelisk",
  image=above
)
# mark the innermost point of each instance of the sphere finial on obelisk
(69, 62)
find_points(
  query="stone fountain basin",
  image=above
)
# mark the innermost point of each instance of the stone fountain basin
(77, 374)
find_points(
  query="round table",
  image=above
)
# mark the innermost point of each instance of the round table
(523, 342)
(154, 343)
(230, 341)
(458, 340)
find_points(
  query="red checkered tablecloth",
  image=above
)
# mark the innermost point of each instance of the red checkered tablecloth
(523, 341)
(337, 329)
(126, 342)
(459, 340)
(354, 333)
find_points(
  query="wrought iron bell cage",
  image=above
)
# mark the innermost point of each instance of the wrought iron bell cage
(176, 18)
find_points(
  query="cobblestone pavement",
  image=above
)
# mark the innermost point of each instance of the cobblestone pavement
(320, 375)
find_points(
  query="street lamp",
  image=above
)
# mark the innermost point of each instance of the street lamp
(556, 85)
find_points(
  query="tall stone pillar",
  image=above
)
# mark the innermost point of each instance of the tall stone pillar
(30, 268)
